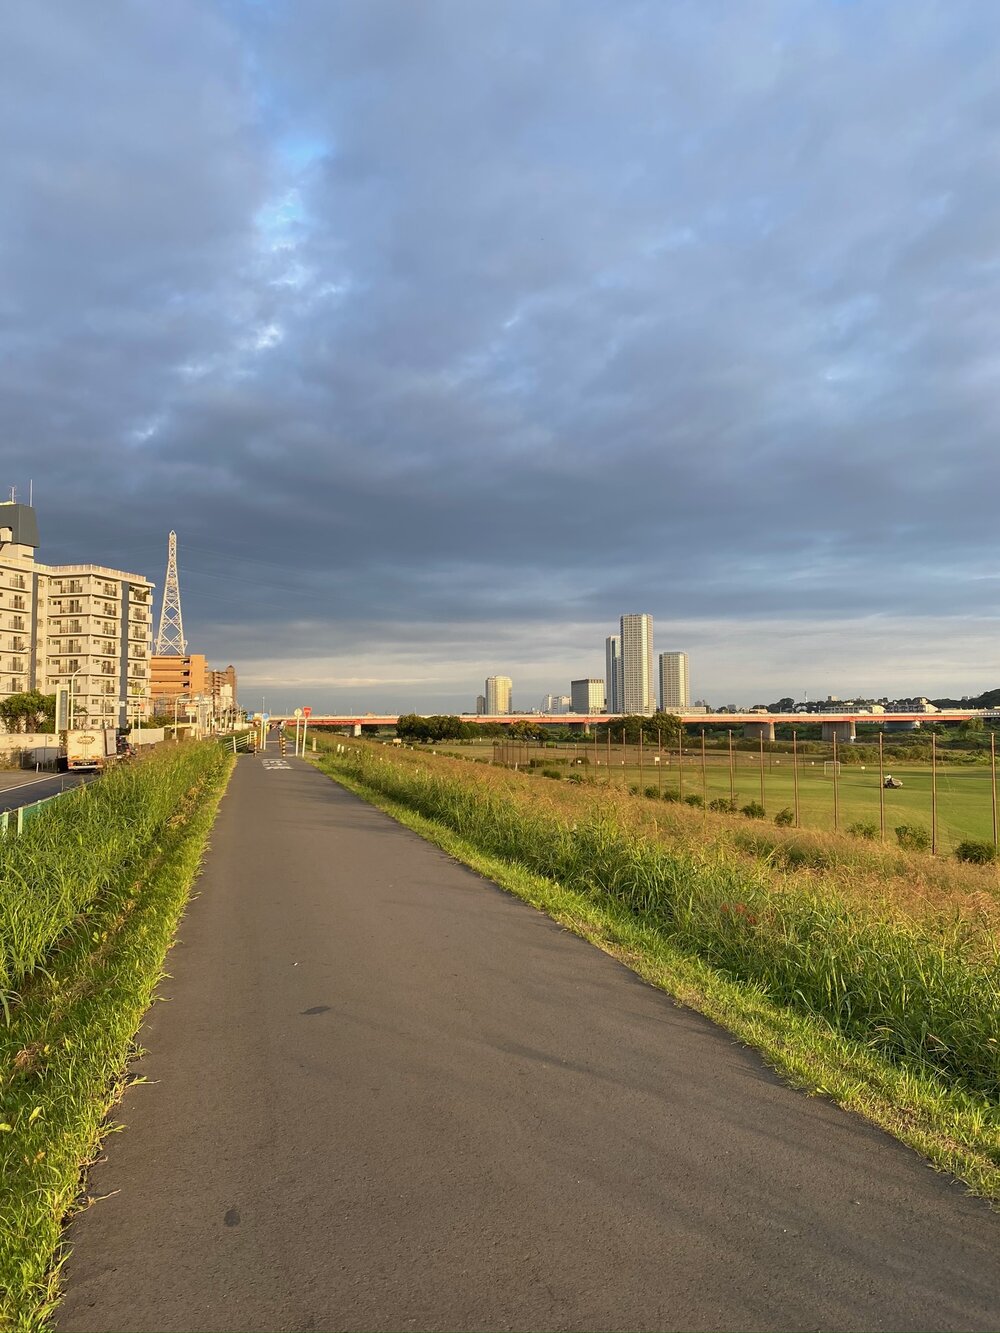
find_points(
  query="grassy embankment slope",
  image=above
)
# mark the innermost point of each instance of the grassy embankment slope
(860, 972)
(90, 897)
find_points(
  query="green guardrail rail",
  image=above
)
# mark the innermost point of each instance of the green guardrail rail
(13, 821)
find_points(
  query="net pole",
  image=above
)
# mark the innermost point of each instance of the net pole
(836, 784)
(624, 763)
(609, 754)
(881, 784)
(732, 771)
(680, 762)
(704, 772)
(795, 773)
(659, 764)
(934, 794)
(762, 801)
(641, 787)
(993, 781)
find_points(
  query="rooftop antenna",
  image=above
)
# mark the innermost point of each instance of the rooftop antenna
(31, 493)
(13, 495)
(170, 640)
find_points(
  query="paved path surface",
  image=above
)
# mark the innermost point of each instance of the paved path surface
(388, 1096)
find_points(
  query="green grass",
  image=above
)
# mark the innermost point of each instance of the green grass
(895, 1017)
(92, 893)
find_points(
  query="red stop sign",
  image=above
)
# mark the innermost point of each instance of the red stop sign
(307, 712)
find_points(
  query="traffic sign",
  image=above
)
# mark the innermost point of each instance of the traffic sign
(265, 717)
(307, 712)
(298, 712)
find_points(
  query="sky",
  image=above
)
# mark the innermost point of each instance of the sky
(443, 332)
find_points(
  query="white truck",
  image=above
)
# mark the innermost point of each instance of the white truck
(93, 747)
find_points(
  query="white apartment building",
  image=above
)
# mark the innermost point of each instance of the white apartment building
(85, 628)
(18, 598)
(637, 687)
(613, 673)
(587, 696)
(675, 685)
(498, 695)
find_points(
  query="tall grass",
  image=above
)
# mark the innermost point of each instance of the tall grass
(98, 836)
(90, 896)
(922, 987)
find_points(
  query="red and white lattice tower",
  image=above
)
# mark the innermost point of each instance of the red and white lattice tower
(170, 638)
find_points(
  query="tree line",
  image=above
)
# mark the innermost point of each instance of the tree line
(662, 727)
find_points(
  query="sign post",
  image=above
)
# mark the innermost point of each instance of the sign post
(298, 724)
(264, 719)
(306, 715)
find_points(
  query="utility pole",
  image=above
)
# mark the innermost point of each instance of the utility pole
(170, 638)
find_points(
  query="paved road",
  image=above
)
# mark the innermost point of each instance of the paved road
(385, 1095)
(31, 787)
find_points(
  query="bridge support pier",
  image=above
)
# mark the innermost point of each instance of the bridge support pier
(356, 729)
(753, 731)
(902, 726)
(844, 731)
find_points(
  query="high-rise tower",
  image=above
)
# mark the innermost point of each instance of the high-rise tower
(613, 672)
(170, 640)
(637, 688)
(498, 694)
(675, 687)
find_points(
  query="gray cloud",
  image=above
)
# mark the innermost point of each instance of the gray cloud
(510, 317)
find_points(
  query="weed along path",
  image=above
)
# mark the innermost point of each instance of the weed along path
(385, 1094)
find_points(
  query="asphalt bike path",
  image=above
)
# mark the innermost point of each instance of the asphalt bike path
(383, 1094)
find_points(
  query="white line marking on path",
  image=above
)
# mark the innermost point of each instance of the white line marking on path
(275, 763)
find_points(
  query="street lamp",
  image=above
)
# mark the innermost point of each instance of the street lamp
(71, 692)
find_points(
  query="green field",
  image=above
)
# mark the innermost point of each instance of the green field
(964, 796)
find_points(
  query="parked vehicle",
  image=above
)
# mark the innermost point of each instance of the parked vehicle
(92, 747)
